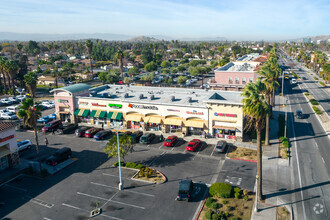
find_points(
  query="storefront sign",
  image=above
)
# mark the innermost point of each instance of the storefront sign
(225, 115)
(6, 138)
(63, 101)
(115, 105)
(83, 103)
(194, 112)
(97, 104)
(173, 110)
(150, 107)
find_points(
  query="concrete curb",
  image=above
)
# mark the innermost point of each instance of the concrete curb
(146, 181)
(201, 207)
(254, 161)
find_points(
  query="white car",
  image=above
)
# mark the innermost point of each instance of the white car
(48, 104)
(21, 97)
(23, 145)
(6, 101)
(6, 111)
(8, 116)
(13, 99)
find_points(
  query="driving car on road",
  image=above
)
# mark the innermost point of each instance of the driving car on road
(186, 188)
(23, 145)
(193, 145)
(220, 146)
(170, 141)
(299, 114)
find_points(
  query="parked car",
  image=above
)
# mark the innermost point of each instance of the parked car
(91, 132)
(52, 126)
(6, 101)
(220, 146)
(44, 119)
(138, 135)
(48, 104)
(52, 116)
(193, 145)
(23, 145)
(101, 135)
(59, 156)
(170, 141)
(299, 114)
(21, 97)
(147, 138)
(14, 109)
(80, 132)
(67, 129)
(14, 100)
(8, 116)
(186, 188)
(6, 111)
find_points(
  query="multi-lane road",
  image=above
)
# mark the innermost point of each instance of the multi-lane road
(310, 192)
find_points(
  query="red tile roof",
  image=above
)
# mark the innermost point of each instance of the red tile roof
(6, 125)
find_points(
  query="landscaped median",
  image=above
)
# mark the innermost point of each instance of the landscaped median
(227, 202)
(314, 103)
(144, 173)
(240, 153)
(285, 147)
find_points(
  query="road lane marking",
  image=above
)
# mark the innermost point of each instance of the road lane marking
(97, 197)
(146, 194)
(47, 218)
(323, 160)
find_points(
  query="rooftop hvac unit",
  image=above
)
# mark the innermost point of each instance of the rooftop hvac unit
(189, 99)
(152, 97)
(172, 98)
(105, 95)
(126, 95)
(141, 96)
(93, 94)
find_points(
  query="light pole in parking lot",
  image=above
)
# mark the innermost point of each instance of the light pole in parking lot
(117, 125)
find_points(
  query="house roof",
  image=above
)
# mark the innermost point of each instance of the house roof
(6, 125)
(74, 88)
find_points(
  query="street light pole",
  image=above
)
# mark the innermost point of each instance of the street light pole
(256, 200)
(117, 126)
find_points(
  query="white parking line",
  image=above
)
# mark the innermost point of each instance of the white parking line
(160, 147)
(15, 187)
(107, 174)
(212, 152)
(97, 197)
(40, 202)
(161, 155)
(74, 207)
(126, 190)
(47, 218)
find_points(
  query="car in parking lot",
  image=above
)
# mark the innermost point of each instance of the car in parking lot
(193, 145)
(52, 126)
(80, 132)
(59, 156)
(101, 135)
(23, 145)
(186, 188)
(6, 101)
(91, 132)
(14, 109)
(8, 116)
(44, 119)
(147, 138)
(66, 129)
(48, 104)
(137, 135)
(220, 146)
(170, 141)
(299, 114)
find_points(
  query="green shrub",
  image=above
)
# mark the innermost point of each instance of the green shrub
(306, 94)
(235, 218)
(209, 201)
(286, 144)
(314, 102)
(214, 206)
(117, 164)
(224, 202)
(228, 208)
(208, 215)
(317, 110)
(283, 139)
(237, 190)
(280, 94)
(237, 195)
(245, 192)
(322, 83)
(130, 165)
(139, 166)
(246, 198)
(216, 216)
(316, 78)
(226, 214)
(222, 190)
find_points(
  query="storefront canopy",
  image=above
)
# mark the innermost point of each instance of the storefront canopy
(173, 121)
(76, 112)
(81, 112)
(153, 119)
(117, 116)
(109, 115)
(194, 123)
(93, 113)
(85, 113)
(133, 117)
(102, 114)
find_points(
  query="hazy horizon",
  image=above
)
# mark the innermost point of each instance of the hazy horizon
(236, 20)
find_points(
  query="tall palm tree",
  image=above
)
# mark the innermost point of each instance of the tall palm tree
(119, 56)
(275, 68)
(12, 69)
(30, 80)
(30, 112)
(3, 61)
(19, 47)
(255, 110)
(270, 82)
(89, 47)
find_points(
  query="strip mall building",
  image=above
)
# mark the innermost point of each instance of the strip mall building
(170, 110)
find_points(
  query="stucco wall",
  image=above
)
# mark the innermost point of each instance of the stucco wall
(12, 141)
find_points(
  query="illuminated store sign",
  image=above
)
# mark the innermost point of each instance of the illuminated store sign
(97, 104)
(150, 107)
(115, 105)
(225, 115)
(63, 101)
(6, 138)
(83, 103)
(194, 112)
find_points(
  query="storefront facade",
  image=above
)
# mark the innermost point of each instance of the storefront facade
(9, 156)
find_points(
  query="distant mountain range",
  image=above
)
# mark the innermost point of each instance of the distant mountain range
(315, 38)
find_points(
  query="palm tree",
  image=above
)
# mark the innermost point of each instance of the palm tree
(89, 47)
(30, 112)
(30, 80)
(269, 80)
(255, 110)
(3, 61)
(275, 68)
(12, 69)
(119, 58)
(19, 47)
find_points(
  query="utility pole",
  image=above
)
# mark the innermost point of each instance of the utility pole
(117, 125)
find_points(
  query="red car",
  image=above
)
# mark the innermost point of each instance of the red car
(91, 132)
(193, 144)
(170, 141)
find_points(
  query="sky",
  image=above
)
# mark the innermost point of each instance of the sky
(232, 19)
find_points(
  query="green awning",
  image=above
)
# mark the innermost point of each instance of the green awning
(109, 115)
(92, 114)
(85, 113)
(76, 112)
(119, 116)
(102, 114)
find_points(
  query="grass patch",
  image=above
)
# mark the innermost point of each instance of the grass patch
(317, 110)
(316, 78)
(306, 94)
(285, 147)
(295, 74)
(281, 124)
(242, 153)
(313, 102)
(230, 208)
(282, 213)
(323, 84)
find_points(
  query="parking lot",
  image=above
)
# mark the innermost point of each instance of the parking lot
(74, 191)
